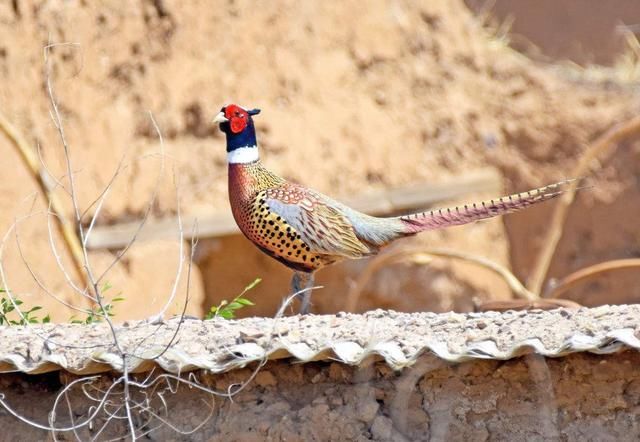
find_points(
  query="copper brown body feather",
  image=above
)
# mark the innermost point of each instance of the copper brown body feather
(307, 230)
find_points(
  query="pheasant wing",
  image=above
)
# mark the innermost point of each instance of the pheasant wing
(320, 224)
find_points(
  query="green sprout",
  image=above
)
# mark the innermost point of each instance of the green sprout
(97, 313)
(26, 317)
(227, 310)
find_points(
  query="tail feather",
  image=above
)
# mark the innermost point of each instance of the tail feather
(447, 217)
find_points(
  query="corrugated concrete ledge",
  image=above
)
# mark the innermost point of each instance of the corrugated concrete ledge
(399, 338)
(385, 376)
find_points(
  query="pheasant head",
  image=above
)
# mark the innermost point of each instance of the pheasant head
(237, 124)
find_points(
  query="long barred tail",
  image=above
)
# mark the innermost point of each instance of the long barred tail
(440, 218)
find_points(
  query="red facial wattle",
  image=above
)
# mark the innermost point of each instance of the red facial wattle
(237, 118)
(237, 124)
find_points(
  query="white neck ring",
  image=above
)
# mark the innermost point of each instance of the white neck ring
(243, 155)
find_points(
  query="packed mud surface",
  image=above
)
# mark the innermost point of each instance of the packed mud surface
(394, 94)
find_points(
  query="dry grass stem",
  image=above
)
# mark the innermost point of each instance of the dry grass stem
(141, 406)
(521, 304)
(578, 277)
(610, 139)
(424, 255)
(42, 178)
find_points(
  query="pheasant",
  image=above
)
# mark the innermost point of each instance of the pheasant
(306, 230)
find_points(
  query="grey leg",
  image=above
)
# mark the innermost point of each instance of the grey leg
(302, 281)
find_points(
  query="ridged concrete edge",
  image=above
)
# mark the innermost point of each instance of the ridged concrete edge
(399, 338)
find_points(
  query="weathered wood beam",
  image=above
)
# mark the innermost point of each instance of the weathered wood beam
(381, 202)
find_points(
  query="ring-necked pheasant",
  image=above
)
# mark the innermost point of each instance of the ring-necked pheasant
(306, 230)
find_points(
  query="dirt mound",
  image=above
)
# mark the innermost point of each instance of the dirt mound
(392, 94)
(583, 32)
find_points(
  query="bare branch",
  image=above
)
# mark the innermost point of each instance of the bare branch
(180, 230)
(147, 211)
(402, 254)
(143, 405)
(584, 274)
(100, 200)
(39, 282)
(58, 259)
(31, 161)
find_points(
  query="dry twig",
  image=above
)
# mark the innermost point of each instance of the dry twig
(423, 255)
(140, 406)
(43, 179)
(609, 140)
(584, 274)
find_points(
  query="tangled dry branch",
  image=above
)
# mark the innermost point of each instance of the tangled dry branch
(142, 405)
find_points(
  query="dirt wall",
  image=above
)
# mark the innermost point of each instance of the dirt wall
(588, 32)
(395, 94)
(577, 397)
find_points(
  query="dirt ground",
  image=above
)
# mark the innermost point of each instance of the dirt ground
(397, 93)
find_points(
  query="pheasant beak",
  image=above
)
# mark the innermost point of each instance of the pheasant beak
(220, 118)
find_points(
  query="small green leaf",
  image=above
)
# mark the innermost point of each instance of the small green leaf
(227, 314)
(226, 309)
(244, 301)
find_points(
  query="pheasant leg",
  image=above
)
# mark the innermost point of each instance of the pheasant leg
(301, 283)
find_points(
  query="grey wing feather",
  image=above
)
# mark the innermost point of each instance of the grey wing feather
(322, 227)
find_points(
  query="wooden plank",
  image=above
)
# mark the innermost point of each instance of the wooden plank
(383, 202)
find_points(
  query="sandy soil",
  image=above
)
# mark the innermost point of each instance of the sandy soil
(395, 94)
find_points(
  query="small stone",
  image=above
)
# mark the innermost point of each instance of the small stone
(368, 410)
(381, 428)
(317, 378)
(319, 401)
(564, 313)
